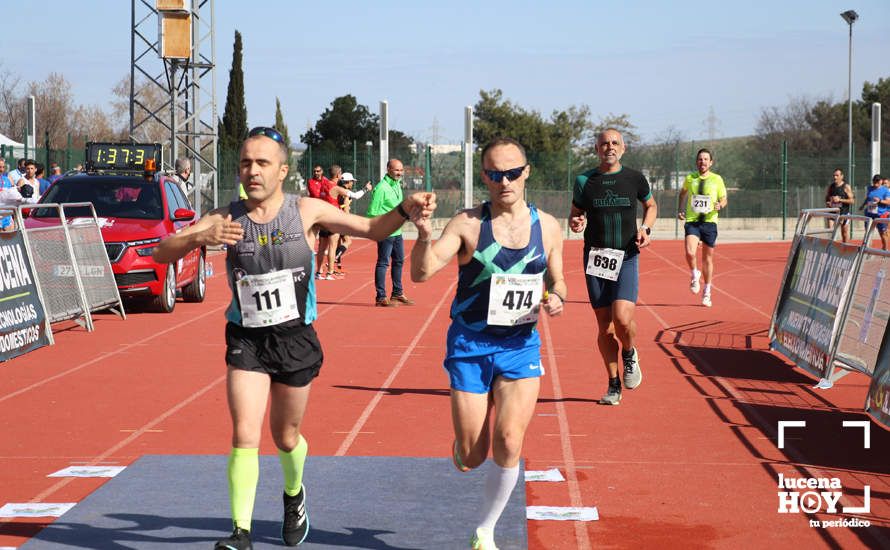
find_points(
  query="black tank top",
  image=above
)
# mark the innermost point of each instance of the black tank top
(840, 191)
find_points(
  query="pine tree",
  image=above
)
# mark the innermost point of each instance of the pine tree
(280, 124)
(233, 127)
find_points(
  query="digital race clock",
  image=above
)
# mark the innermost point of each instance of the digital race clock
(121, 156)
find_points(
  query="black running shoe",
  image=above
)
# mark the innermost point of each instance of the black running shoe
(240, 540)
(295, 526)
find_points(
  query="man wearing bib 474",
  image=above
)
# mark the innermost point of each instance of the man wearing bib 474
(509, 257)
(604, 206)
(701, 199)
(271, 346)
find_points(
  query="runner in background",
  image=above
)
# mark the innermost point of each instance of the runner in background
(701, 199)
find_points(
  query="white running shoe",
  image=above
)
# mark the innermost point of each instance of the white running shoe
(706, 300)
(633, 374)
(695, 286)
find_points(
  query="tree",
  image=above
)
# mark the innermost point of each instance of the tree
(280, 124)
(233, 127)
(12, 109)
(623, 124)
(153, 99)
(342, 123)
(496, 116)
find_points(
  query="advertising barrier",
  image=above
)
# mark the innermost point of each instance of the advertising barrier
(23, 322)
(831, 310)
(820, 275)
(877, 403)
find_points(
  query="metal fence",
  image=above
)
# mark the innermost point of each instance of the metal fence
(755, 183)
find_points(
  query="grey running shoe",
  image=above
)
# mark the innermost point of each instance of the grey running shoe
(633, 375)
(613, 396)
(295, 526)
(695, 285)
(239, 540)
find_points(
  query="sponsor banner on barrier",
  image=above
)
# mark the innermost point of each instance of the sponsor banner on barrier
(22, 317)
(817, 284)
(877, 402)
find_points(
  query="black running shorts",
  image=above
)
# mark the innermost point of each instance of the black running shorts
(289, 354)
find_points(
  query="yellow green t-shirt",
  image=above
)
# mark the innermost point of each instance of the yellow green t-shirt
(711, 185)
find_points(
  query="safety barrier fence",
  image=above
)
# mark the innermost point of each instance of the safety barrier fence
(51, 271)
(831, 314)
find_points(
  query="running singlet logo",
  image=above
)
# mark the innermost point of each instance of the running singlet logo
(611, 199)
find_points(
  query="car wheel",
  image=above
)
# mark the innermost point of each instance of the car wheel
(166, 300)
(195, 290)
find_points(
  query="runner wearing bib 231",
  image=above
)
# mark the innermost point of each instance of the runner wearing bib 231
(702, 197)
(604, 206)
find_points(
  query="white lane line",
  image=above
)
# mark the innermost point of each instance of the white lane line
(716, 288)
(347, 442)
(106, 355)
(566, 443)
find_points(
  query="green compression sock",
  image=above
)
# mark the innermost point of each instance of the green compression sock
(292, 467)
(244, 471)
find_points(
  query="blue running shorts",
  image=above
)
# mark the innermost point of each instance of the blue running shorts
(602, 292)
(473, 360)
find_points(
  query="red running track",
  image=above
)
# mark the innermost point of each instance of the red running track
(688, 460)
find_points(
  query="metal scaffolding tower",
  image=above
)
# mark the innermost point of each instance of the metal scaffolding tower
(186, 115)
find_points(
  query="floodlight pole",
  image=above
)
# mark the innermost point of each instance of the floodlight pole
(850, 17)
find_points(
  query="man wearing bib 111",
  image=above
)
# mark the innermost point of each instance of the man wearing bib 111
(509, 257)
(700, 201)
(604, 206)
(271, 346)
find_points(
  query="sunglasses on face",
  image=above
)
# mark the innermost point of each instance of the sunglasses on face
(270, 133)
(498, 175)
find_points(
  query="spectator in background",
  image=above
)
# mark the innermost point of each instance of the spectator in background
(28, 184)
(345, 195)
(183, 169)
(55, 172)
(4, 177)
(43, 183)
(16, 174)
(336, 173)
(78, 167)
(317, 182)
(877, 205)
(386, 196)
(12, 195)
(840, 195)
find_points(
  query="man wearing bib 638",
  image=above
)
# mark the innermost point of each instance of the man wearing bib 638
(509, 257)
(271, 346)
(706, 194)
(605, 201)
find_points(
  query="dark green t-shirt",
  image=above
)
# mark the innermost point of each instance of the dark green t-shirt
(610, 201)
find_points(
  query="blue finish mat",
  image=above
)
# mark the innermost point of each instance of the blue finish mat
(169, 502)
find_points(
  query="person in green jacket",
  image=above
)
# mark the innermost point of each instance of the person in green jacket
(387, 195)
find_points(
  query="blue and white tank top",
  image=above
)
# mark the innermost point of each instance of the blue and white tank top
(470, 306)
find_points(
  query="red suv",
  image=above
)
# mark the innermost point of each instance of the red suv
(135, 213)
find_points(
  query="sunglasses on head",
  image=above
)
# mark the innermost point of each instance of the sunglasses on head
(270, 133)
(498, 175)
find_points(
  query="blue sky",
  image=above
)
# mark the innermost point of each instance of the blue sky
(663, 63)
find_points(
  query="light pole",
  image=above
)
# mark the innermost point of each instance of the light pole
(850, 17)
(369, 144)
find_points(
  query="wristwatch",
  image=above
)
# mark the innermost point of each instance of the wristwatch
(646, 228)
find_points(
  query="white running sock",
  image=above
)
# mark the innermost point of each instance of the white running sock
(696, 274)
(499, 483)
(707, 288)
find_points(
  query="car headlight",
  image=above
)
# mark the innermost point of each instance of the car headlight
(145, 251)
